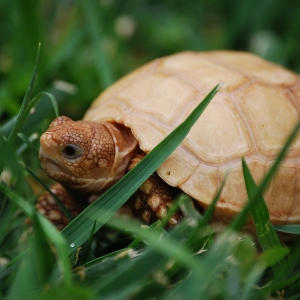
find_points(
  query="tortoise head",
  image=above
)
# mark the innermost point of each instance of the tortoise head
(85, 155)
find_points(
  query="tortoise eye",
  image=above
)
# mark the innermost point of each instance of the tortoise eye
(71, 151)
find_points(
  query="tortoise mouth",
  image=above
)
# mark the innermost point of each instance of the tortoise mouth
(58, 173)
(51, 166)
(63, 176)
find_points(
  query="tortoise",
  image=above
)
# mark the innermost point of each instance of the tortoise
(251, 117)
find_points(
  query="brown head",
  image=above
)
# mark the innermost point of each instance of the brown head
(85, 155)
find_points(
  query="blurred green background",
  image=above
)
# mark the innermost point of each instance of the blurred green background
(90, 44)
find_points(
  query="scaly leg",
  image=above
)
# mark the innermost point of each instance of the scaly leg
(47, 206)
(151, 201)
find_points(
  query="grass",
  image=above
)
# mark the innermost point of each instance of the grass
(103, 257)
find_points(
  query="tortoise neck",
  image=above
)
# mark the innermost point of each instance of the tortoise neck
(126, 146)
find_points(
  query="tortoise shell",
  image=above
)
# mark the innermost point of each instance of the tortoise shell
(251, 117)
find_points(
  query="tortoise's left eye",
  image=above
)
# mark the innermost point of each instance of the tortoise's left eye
(71, 151)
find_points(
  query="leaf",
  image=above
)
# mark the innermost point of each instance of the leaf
(266, 234)
(274, 255)
(292, 229)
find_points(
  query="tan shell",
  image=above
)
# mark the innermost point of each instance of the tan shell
(251, 117)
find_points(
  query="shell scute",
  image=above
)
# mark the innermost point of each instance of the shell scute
(202, 184)
(220, 135)
(271, 115)
(159, 94)
(177, 169)
(280, 195)
(256, 68)
(202, 71)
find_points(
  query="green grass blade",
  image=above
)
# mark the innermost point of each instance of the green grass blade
(37, 98)
(26, 279)
(88, 247)
(292, 282)
(292, 229)
(273, 255)
(24, 138)
(194, 241)
(27, 143)
(104, 207)
(43, 260)
(265, 232)
(40, 111)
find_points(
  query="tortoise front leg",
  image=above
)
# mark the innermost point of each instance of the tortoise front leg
(152, 200)
(47, 206)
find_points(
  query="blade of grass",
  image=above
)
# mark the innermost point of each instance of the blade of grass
(274, 255)
(104, 207)
(24, 138)
(88, 246)
(292, 229)
(193, 240)
(266, 234)
(37, 98)
(41, 110)
(291, 283)
(26, 279)
(44, 260)
(27, 143)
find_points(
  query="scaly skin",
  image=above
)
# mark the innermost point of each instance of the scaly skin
(153, 198)
(47, 206)
(89, 158)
